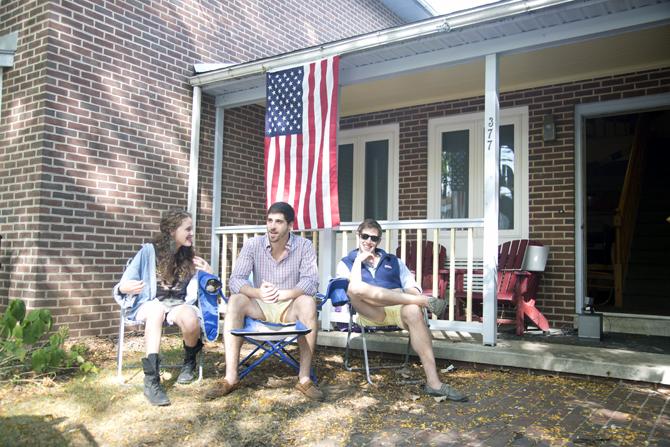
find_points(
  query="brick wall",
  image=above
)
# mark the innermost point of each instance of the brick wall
(95, 129)
(551, 165)
(22, 132)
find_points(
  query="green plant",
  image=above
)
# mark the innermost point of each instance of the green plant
(25, 348)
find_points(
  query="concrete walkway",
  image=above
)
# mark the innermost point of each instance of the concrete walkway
(625, 360)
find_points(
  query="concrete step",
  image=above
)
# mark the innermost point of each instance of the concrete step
(656, 325)
(586, 360)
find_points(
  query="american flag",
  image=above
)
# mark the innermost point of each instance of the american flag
(301, 142)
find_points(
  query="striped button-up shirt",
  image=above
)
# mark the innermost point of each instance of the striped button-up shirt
(297, 270)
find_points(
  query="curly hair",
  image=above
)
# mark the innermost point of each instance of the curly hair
(173, 264)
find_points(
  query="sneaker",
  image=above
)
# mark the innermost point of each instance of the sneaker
(437, 306)
(310, 390)
(446, 391)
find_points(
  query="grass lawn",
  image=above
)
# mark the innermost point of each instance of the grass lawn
(507, 407)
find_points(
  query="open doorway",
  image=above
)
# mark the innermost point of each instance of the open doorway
(627, 207)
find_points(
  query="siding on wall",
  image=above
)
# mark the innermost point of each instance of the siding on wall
(95, 130)
(551, 165)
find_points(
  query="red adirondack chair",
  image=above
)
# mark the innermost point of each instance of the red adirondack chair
(427, 267)
(515, 286)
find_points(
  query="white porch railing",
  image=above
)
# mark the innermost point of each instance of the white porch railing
(396, 234)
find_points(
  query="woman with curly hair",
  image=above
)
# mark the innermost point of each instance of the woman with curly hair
(160, 284)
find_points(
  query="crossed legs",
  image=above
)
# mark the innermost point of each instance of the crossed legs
(370, 300)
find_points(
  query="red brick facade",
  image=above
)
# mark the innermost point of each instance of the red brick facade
(551, 166)
(95, 138)
(95, 130)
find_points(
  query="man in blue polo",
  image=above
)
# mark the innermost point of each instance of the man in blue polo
(384, 292)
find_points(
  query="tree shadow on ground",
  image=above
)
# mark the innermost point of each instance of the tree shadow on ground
(508, 407)
(36, 431)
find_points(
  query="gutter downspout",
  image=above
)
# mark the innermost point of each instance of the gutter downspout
(217, 180)
(380, 38)
(192, 206)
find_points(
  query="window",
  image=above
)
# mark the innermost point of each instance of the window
(456, 169)
(367, 169)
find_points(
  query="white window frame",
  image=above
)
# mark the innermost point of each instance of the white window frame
(358, 137)
(518, 116)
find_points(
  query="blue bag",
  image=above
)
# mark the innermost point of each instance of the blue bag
(337, 291)
(209, 290)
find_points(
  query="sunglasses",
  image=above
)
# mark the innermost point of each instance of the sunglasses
(366, 236)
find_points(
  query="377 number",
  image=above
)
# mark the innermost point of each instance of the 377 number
(489, 133)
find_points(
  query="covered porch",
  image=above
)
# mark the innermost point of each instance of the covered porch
(474, 56)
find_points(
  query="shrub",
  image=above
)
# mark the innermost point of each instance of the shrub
(24, 348)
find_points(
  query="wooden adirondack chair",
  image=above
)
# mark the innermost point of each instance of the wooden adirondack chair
(427, 267)
(515, 286)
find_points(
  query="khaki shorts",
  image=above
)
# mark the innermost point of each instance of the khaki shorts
(274, 312)
(391, 318)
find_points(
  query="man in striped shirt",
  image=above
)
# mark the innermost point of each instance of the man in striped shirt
(285, 280)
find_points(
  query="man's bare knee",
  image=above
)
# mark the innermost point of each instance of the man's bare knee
(305, 307)
(412, 315)
(357, 291)
(237, 303)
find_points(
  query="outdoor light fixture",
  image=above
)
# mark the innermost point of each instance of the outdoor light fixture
(548, 128)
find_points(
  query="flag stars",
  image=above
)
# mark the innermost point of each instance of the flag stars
(284, 99)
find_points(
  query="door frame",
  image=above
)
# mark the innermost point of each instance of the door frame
(582, 113)
(373, 133)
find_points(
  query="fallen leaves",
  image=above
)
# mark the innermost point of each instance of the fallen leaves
(267, 411)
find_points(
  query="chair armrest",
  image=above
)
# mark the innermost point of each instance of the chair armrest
(527, 283)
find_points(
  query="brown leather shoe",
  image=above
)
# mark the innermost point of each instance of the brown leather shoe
(310, 390)
(221, 388)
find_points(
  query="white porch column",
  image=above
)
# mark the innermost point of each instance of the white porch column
(217, 174)
(192, 206)
(491, 192)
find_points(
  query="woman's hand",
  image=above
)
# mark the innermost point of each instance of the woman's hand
(201, 264)
(132, 287)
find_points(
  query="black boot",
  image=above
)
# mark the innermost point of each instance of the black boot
(153, 389)
(187, 373)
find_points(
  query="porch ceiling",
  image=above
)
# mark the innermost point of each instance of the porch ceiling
(442, 58)
(623, 53)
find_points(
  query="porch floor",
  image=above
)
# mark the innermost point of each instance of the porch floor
(621, 356)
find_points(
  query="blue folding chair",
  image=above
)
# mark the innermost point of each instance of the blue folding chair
(337, 293)
(271, 339)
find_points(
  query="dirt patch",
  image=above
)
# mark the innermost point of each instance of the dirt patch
(506, 407)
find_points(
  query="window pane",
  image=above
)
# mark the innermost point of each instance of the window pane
(376, 179)
(506, 201)
(345, 180)
(455, 174)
